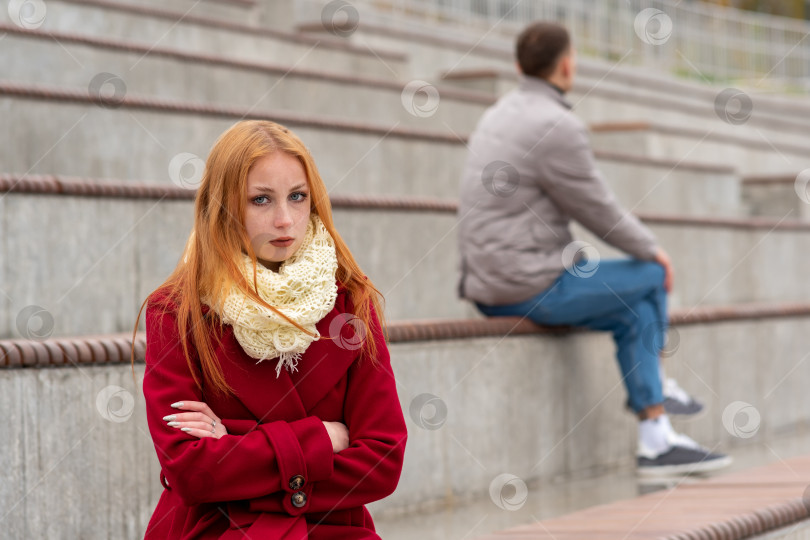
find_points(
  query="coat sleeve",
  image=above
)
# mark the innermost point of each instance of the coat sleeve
(233, 467)
(369, 469)
(571, 179)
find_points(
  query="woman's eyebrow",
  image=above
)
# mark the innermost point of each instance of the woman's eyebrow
(271, 190)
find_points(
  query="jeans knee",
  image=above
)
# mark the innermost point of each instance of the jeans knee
(653, 273)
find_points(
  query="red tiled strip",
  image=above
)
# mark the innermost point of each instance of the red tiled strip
(115, 348)
(91, 187)
(728, 507)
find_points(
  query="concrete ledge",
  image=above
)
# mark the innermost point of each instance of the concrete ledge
(693, 133)
(116, 349)
(769, 179)
(774, 195)
(728, 507)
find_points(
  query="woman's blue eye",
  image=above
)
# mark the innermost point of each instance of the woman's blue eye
(256, 200)
(301, 196)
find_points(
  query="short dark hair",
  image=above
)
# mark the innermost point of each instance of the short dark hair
(540, 47)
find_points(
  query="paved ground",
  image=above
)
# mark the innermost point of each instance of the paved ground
(471, 519)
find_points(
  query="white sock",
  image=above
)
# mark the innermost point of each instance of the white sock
(654, 435)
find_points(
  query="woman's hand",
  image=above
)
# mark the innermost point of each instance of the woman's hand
(201, 422)
(338, 434)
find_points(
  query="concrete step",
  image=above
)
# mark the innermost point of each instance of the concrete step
(481, 399)
(352, 157)
(139, 138)
(407, 247)
(429, 52)
(601, 96)
(75, 60)
(441, 47)
(162, 27)
(748, 155)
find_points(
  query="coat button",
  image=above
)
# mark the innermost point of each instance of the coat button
(297, 482)
(299, 499)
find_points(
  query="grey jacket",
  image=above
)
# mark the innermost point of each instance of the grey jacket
(529, 171)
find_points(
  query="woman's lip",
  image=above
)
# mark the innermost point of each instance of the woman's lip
(281, 242)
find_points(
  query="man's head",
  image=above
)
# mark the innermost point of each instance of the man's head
(544, 51)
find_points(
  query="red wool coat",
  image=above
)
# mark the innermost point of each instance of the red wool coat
(274, 475)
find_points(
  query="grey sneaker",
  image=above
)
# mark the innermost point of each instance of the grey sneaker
(677, 401)
(684, 456)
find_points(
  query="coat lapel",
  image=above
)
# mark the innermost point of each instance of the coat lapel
(326, 360)
(268, 398)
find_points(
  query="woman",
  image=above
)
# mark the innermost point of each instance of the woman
(269, 392)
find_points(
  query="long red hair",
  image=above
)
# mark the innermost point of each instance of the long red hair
(209, 265)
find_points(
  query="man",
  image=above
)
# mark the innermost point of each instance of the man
(530, 170)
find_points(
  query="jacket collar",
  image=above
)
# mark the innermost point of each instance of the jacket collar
(535, 85)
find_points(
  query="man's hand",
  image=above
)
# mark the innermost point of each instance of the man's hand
(663, 259)
(338, 434)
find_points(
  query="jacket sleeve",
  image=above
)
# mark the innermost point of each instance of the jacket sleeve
(369, 469)
(570, 178)
(233, 467)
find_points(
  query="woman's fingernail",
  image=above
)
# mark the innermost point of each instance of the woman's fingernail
(185, 429)
(170, 418)
(177, 405)
(174, 424)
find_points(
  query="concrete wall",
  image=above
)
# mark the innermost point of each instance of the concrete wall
(79, 462)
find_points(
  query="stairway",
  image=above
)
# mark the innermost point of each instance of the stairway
(104, 101)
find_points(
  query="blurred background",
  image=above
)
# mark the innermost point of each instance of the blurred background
(108, 108)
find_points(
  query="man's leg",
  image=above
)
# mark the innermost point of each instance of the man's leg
(625, 297)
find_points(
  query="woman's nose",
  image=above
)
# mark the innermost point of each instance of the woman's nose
(283, 217)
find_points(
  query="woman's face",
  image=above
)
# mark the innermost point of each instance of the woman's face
(277, 209)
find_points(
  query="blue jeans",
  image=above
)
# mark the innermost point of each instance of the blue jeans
(623, 296)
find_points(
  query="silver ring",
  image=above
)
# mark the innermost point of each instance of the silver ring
(213, 425)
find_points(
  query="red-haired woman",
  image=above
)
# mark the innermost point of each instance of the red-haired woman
(269, 391)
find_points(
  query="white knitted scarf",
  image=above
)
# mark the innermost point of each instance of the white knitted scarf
(304, 289)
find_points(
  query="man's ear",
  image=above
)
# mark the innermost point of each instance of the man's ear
(517, 67)
(566, 66)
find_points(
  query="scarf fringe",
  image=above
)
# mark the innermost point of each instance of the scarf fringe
(288, 360)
